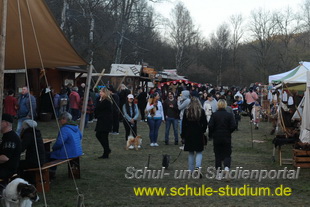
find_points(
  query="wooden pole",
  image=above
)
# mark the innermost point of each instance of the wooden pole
(85, 100)
(2, 52)
(99, 78)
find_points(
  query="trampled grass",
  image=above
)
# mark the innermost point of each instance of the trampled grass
(103, 181)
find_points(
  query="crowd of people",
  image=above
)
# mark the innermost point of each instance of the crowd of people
(193, 113)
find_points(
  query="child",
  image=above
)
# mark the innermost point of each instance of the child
(236, 109)
(256, 112)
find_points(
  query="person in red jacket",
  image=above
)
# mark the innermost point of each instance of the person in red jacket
(10, 104)
(74, 101)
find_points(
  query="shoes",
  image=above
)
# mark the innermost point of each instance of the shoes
(219, 176)
(256, 127)
(139, 146)
(272, 132)
(94, 119)
(105, 155)
(156, 145)
(176, 143)
(90, 121)
(114, 133)
(131, 147)
(166, 142)
(152, 144)
(182, 147)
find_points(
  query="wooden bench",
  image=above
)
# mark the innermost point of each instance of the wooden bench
(74, 163)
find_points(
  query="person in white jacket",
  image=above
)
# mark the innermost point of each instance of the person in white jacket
(155, 117)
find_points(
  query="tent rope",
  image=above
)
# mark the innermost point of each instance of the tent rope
(28, 85)
(50, 96)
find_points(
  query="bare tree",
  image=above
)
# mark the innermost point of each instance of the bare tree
(220, 48)
(183, 34)
(237, 33)
(288, 26)
(263, 28)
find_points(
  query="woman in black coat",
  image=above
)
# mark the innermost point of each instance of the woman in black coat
(194, 125)
(221, 125)
(31, 141)
(104, 115)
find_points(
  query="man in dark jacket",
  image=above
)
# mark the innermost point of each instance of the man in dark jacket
(171, 112)
(221, 125)
(26, 108)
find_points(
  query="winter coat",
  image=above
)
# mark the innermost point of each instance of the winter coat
(10, 105)
(74, 100)
(29, 144)
(69, 139)
(192, 132)
(184, 102)
(221, 125)
(104, 115)
(24, 106)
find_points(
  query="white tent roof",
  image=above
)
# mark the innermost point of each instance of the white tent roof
(278, 76)
(297, 75)
(125, 70)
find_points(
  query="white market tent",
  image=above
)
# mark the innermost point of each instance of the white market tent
(272, 78)
(297, 75)
(305, 123)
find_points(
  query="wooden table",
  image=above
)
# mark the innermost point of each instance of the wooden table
(47, 143)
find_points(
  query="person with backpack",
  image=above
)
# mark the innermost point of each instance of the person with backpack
(64, 100)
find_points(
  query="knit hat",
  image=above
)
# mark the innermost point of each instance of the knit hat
(7, 117)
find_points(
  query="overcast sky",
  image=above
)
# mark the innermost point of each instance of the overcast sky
(209, 14)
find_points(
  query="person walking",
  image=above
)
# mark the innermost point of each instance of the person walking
(155, 116)
(74, 102)
(10, 104)
(171, 112)
(221, 125)
(104, 115)
(193, 128)
(250, 98)
(131, 114)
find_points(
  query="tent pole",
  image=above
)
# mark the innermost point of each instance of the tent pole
(2, 52)
(86, 95)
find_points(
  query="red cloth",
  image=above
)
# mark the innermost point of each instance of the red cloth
(10, 104)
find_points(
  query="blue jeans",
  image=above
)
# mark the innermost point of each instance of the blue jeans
(174, 123)
(20, 124)
(154, 125)
(191, 160)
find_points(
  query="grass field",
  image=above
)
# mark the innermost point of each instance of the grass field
(103, 181)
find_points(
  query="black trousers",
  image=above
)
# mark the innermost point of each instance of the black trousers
(250, 106)
(115, 125)
(103, 138)
(142, 110)
(222, 153)
(130, 128)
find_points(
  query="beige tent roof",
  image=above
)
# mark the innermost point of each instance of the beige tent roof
(56, 51)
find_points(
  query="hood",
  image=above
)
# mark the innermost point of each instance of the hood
(29, 124)
(73, 127)
(185, 94)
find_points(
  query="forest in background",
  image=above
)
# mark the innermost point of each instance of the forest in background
(239, 52)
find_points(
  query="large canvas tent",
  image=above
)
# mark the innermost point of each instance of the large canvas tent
(31, 38)
(30, 23)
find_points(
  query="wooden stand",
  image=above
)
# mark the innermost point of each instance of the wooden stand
(301, 158)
